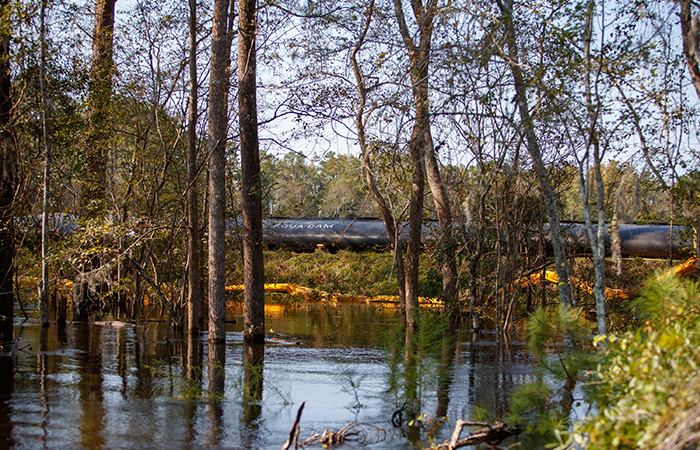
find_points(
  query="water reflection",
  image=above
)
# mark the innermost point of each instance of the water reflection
(88, 342)
(134, 387)
(445, 372)
(253, 356)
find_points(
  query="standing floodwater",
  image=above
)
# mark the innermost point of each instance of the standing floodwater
(109, 385)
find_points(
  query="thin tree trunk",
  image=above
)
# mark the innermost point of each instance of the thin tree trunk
(194, 275)
(387, 214)
(218, 120)
(251, 180)
(8, 163)
(545, 184)
(43, 294)
(597, 240)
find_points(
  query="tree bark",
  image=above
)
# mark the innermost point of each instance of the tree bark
(8, 167)
(251, 180)
(544, 182)
(218, 120)
(100, 95)
(194, 273)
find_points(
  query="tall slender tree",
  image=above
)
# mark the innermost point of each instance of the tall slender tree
(218, 124)
(46, 126)
(593, 107)
(194, 275)
(218, 121)
(251, 180)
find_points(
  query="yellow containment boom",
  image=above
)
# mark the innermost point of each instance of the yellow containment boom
(682, 270)
(316, 295)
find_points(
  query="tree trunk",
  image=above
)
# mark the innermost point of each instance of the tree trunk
(46, 125)
(218, 120)
(251, 180)
(8, 163)
(545, 184)
(194, 275)
(100, 95)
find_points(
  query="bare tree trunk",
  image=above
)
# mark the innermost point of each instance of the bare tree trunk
(46, 125)
(251, 180)
(100, 95)
(545, 183)
(218, 120)
(194, 275)
(8, 163)
(366, 158)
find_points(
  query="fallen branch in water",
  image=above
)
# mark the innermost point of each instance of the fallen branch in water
(357, 432)
(293, 439)
(491, 434)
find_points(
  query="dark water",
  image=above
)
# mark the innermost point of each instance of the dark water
(140, 387)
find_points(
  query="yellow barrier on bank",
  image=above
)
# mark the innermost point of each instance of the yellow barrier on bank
(682, 270)
(317, 295)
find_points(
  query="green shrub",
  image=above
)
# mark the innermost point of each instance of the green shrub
(646, 389)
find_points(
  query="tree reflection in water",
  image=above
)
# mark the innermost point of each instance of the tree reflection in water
(135, 387)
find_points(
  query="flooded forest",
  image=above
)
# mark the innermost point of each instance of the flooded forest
(369, 224)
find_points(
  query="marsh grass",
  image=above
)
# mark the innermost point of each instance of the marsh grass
(354, 273)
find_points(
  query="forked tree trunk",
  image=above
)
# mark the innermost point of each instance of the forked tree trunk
(421, 146)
